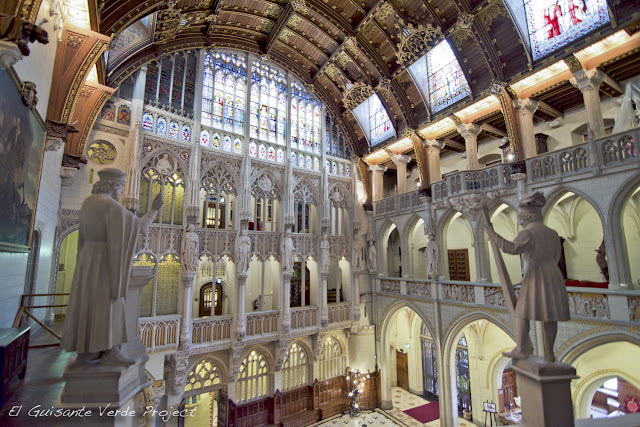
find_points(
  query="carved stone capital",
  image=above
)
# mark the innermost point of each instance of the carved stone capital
(587, 80)
(434, 146)
(67, 173)
(9, 54)
(469, 131)
(526, 106)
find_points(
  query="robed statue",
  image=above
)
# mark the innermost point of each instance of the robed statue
(95, 324)
(189, 252)
(431, 257)
(543, 295)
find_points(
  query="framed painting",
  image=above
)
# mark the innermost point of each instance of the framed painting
(22, 143)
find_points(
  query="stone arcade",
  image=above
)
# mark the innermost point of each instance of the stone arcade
(323, 168)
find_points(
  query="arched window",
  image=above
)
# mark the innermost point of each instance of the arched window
(295, 370)
(429, 362)
(253, 378)
(268, 103)
(223, 91)
(332, 360)
(305, 124)
(172, 189)
(462, 375)
(205, 374)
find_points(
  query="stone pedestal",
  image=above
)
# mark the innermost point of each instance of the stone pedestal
(546, 392)
(99, 385)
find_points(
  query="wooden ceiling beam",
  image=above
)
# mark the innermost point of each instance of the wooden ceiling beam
(549, 109)
(433, 13)
(369, 15)
(493, 130)
(322, 52)
(281, 24)
(454, 144)
(216, 7)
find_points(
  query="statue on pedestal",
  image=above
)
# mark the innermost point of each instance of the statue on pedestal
(189, 253)
(372, 257)
(287, 252)
(244, 252)
(543, 295)
(95, 324)
(431, 255)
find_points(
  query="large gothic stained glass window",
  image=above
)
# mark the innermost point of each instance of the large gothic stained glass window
(374, 120)
(268, 104)
(554, 23)
(223, 91)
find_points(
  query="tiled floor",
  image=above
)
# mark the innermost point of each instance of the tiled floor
(403, 400)
(366, 419)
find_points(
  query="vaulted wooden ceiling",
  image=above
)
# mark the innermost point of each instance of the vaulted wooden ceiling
(329, 44)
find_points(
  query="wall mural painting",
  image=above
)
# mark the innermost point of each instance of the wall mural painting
(21, 150)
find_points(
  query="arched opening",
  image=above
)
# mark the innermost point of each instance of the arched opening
(333, 360)
(211, 298)
(394, 254)
(263, 284)
(578, 223)
(334, 282)
(300, 285)
(202, 394)
(213, 285)
(429, 363)
(253, 378)
(460, 251)
(417, 245)
(68, 255)
(505, 222)
(296, 369)
(615, 397)
(631, 232)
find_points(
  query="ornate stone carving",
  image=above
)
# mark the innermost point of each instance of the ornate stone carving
(21, 32)
(359, 93)
(461, 293)
(391, 286)
(28, 93)
(594, 307)
(419, 289)
(75, 40)
(415, 42)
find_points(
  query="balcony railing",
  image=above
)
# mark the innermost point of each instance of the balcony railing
(340, 312)
(262, 322)
(209, 330)
(475, 181)
(584, 303)
(159, 333)
(399, 203)
(304, 317)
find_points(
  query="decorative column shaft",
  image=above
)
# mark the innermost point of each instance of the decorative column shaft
(241, 329)
(433, 148)
(286, 301)
(526, 108)
(187, 301)
(469, 132)
(589, 81)
(421, 158)
(324, 308)
(378, 190)
(400, 160)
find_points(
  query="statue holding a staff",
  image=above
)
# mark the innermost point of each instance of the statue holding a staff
(543, 295)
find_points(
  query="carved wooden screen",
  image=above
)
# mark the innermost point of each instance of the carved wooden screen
(459, 264)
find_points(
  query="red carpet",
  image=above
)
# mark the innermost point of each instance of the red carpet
(425, 413)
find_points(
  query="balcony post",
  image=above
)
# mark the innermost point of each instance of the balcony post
(241, 328)
(187, 301)
(286, 301)
(433, 149)
(378, 190)
(469, 132)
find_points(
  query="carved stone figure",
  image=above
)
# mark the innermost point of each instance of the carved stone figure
(543, 295)
(325, 248)
(189, 254)
(95, 324)
(287, 252)
(601, 260)
(372, 257)
(244, 252)
(431, 255)
(28, 92)
(21, 32)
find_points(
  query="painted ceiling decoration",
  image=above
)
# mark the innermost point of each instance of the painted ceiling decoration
(345, 51)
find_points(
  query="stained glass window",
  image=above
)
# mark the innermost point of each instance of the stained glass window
(252, 377)
(295, 369)
(294, 158)
(305, 120)
(271, 154)
(226, 143)
(147, 121)
(223, 91)
(215, 140)
(237, 146)
(447, 83)
(268, 104)
(253, 149)
(204, 137)
(309, 162)
(186, 133)
(347, 170)
(554, 23)
(316, 164)
(262, 151)
(161, 126)
(280, 155)
(174, 129)
(331, 360)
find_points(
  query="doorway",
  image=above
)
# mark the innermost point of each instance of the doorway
(299, 283)
(211, 299)
(402, 369)
(459, 264)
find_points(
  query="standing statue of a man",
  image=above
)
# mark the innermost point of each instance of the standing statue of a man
(372, 257)
(543, 295)
(189, 253)
(431, 255)
(95, 323)
(287, 252)
(244, 252)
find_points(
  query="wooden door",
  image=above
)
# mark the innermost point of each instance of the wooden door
(217, 300)
(402, 369)
(206, 298)
(459, 264)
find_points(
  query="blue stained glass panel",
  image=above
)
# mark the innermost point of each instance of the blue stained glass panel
(174, 129)
(186, 133)
(147, 121)
(161, 126)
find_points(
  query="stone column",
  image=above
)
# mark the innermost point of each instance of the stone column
(286, 301)
(481, 249)
(400, 160)
(187, 301)
(324, 308)
(378, 190)
(387, 397)
(469, 132)
(241, 326)
(589, 81)
(526, 108)
(433, 149)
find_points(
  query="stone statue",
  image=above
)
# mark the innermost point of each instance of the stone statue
(324, 253)
(21, 32)
(95, 324)
(372, 258)
(543, 295)
(601, 260)
(431, 255)
(243, 250)
(287, 252)
(189, 254)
